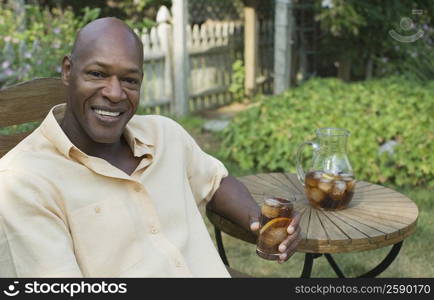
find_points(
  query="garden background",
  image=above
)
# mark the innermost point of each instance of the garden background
(367, 66)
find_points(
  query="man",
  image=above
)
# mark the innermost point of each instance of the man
(96, 192)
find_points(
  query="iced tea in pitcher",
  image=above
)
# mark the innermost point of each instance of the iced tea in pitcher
(329, 182)
(276, 215)
(329, 191)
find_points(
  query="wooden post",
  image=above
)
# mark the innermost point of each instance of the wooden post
(250, 46)
(180, 57)
(165, 37)
(283, 39)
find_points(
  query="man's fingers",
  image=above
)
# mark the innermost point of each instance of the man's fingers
(254, 226)
(285, 256)
(293, 231)
(290, 240)
(254, 221)
(290, 250)
(282, 258)
(294, 223)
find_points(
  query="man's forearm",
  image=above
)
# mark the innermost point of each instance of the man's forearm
(233, 201)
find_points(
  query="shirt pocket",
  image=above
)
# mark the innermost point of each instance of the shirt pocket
(105, 239)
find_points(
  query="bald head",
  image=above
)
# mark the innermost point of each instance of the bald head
(103, 74)
(112, 30)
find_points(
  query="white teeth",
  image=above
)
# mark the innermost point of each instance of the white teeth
(107, 113)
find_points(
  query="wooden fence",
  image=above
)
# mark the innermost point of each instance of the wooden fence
(212, 48)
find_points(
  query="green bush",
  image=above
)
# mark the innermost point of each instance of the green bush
(37, 50)
(237, 81)
(266, 137)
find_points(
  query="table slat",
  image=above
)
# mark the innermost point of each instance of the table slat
(316, 233)
(334, 233)
(355, 235)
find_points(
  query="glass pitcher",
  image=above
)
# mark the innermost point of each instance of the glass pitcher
(329, 182)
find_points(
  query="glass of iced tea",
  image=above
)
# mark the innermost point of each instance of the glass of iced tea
(276, 215)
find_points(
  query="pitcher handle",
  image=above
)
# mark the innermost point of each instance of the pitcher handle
(300, 172)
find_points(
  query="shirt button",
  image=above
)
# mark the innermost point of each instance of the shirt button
(178, 264)
(154, 230)
(97, 209)
(138, 188)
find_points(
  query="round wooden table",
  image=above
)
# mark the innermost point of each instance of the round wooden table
(376, 217)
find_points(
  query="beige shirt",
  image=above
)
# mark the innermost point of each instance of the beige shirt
(66, 214)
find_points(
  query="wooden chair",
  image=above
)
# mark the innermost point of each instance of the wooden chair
(27, 102)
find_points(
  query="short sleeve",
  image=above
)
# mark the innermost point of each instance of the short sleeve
(34, 238)
(205, 172)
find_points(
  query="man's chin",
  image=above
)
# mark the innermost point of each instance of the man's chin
(106, 138)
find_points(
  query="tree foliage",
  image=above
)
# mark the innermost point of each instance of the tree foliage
(37, 51)
(358, 32)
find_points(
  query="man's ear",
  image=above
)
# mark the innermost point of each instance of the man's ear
(66, 69)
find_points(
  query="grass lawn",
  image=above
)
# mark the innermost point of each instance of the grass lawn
(416, 258)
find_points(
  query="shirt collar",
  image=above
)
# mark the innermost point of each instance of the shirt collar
(53, 132)
(141, 144)
(139, 141)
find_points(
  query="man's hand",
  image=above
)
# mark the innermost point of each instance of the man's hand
(288, 246)
(233, 201)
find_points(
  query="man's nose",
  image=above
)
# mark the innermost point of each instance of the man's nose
(113, 90)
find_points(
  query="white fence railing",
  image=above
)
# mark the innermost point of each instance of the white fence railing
(212, 47)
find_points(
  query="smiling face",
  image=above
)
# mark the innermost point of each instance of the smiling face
(103, 78)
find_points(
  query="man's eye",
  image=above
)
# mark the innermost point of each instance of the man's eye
(96, 74)
(131, 81)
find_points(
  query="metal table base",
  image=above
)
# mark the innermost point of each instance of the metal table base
(383, 265)
(309, 258)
